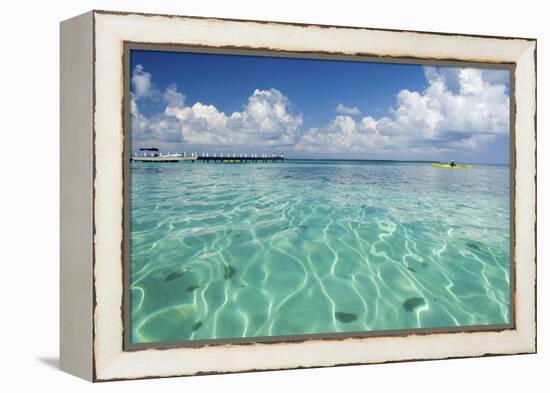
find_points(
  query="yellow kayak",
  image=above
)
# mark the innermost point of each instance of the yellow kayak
(449, 166)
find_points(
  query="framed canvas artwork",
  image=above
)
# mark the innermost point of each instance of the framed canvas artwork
(246, 195)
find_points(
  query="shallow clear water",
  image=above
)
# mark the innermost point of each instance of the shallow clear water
(245, 250)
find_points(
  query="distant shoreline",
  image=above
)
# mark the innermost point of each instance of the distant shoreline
(361, 160)
(381, 161)
(389, 161)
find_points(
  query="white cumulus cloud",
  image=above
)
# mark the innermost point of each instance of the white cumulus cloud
(461, 108)
(267, 119)
(343, 134)
(141, 83)
(347, 110)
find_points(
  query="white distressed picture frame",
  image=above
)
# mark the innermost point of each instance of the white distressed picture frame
(92, 202)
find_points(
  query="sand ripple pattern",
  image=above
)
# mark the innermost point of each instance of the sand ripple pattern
(248, 250)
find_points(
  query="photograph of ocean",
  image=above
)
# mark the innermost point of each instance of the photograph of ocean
(277, 197)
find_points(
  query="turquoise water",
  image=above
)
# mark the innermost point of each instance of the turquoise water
(248, 250)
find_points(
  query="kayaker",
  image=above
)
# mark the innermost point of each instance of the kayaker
(452, 163)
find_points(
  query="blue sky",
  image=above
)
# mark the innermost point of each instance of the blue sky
(318, 108)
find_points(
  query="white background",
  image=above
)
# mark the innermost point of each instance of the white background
(29, 182)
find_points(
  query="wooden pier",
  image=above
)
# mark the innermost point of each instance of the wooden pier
(218, 158)
(241, 158)
(160, 158)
